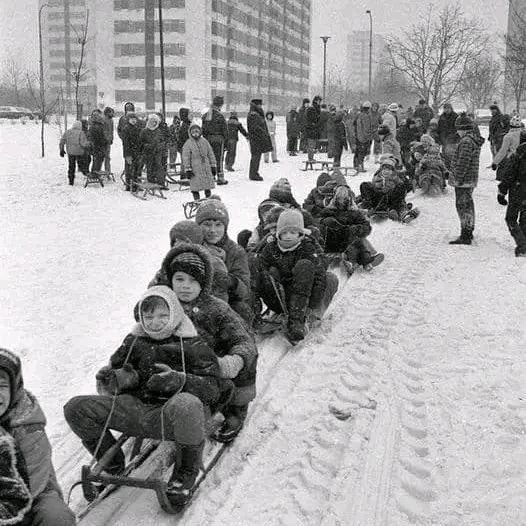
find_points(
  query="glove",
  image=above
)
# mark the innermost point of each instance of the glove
(501, 198)
(493, 166)
(128, 159)
(123, 379)
(189, 174)
(214, 170)
(104, 374)
(62, 153)
(230, 365)
(166, 380)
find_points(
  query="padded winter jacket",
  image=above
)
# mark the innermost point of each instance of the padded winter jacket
(465, 163)
(314, 203)
(510, 142)
(202, 369)
(356, 220)
(312, 117)
(96, 135)
(214, 123)
(389, 120)
(234, 129)
(514, 178)
(446, 129)
(366, 126)
(131, 141)
(499, 125)
(257, 131)
(199, 158)
(293, 127)
(74, 140)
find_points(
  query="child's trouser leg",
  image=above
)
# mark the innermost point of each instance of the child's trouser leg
(516, 221)
(50, 510)
(360, 251)
(335, 234)
(196, 196)
(208, 193)
(268, 287)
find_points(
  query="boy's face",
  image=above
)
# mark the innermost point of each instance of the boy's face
(186, 287)
(213, 231)
(157, 319)
(5, 392)
(195, 133)
(133, 121)
(289, 237)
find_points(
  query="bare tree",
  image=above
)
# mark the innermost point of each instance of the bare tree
(434, 53)
(515, 57)
(13, 78)
(480, 81)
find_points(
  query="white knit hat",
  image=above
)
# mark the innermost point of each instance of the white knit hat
(393, 107)
(290, 219)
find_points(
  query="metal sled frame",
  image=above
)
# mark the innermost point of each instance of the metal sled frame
(93, 178)
(190, 208)
(144, 189)
(323, 165)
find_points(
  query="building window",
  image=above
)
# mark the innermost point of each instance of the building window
(139, 4)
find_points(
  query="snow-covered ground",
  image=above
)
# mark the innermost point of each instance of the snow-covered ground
(425, 355)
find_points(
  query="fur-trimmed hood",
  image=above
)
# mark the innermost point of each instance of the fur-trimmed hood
(199, 251)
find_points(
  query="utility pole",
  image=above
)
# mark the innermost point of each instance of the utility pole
(370, 51)
(161, 54)
(42, 92)
(325, 39)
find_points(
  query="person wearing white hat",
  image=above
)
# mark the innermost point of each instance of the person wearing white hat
(390, 118)
(509, 146)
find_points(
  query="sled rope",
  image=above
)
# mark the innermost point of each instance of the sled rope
(280, 299)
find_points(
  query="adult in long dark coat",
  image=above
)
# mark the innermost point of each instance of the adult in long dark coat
(301, 124)
(215, 131)
(448, 133)
(258, 137)
(499, 126)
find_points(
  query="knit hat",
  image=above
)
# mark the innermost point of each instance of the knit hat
(366, 104)
(434, 120)
(178, 323)
(328, 188)
(516, 121)
(271, 219)
(493, 107)
(393, 107)
(153, 121)
(212, 209)
(188, 231)
(322, 179)
(463, 122)
(218, 100)
(280, 190)
(427, 139)
(383, 130)
(191, 264)
(265, 207)
(306, 101)
(387, 160)
(10, 363)
(290, 219)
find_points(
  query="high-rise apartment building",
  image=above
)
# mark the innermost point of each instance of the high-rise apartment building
(236, 49)
(357, 63)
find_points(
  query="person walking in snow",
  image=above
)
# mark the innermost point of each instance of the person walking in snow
(464, 175)
(215, 131)
(234, 129)
(513, 185)
(447, 133)
(29, 491)
(258, 136)
(365, 126)
(199, 163)
(75, 143)
(271, 127)
(510, 142)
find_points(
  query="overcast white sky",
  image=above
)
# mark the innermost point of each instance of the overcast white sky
(19, 36)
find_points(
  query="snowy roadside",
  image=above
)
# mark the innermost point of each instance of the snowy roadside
(433, 337)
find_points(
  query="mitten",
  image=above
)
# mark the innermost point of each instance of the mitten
(493, 166)
(214, 170)
(128, 159)
(230, 365)
(501, 198)
(62, 153)
(123, 379)
(166, 380)
(189, 174)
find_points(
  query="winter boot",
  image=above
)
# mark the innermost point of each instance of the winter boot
(71, 180)
(297, 313)
(465, 238)
(186, 469)
(235, 416)
(256, 178)
(393, 215)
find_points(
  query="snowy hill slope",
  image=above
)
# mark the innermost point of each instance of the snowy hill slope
(424, 355)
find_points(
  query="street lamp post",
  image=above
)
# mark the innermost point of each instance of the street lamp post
(370, 50)
(161, 56)
(42, 94)
(325, 39)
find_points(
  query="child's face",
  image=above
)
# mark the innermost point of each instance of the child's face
(195, 133)
(289, 237)
(5, 392)
(157, 319)
(186, 287)
(418, 156)
(213, 231)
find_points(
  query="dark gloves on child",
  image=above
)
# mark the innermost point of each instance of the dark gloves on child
(214, 170)
(113, 381)
(189, 174)
(166, 380)
(62, 153)
(493, 166)
(501, 198)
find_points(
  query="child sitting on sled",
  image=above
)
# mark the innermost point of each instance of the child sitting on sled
(29, 492)
(157, 385)
(344, 230)
(189, 271)
(292, 277)
(315, 201)
(431, 172)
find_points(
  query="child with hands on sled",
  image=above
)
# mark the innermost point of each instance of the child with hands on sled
(29, 492)
(292, 278)
(158, 384)
(188, 269)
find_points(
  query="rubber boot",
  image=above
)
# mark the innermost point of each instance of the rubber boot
(465, 238)
(235, 416)
(186, 468)
(297, 313)
(71, 181)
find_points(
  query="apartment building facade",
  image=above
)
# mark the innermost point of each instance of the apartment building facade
(236, 49)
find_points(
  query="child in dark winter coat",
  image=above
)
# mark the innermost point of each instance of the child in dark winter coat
(431, 172)
(234, 128)
(152, 149)
(160, 380)
(189, 270)
(292, 262)
(314, 203)
(29, 492)
(212, 216)
(281, 193)
(98, 140)
(344, 230)
(513, 184)
(131, 148)
(339, 139)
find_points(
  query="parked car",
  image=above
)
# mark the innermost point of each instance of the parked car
(15, 112)
(482, 117)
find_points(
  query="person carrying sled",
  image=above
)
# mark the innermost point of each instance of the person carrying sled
(513, 185)
(29, 492)
(157, 385)
(344, 229)
(464, 175)
(188, 268)
(75, 144)
(199, 163)
(212, 216)
(292, 278)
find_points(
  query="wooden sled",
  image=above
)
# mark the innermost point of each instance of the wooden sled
(107, 176)
(317, 165)
(190, 208)
(345, 170)
(143, 189)
(93, 178)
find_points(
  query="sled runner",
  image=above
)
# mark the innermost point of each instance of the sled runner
(107, 176)
(190, 208)
(174, 177)
(93, 178)
(313, 165)
(346, 170)
(143, 189)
